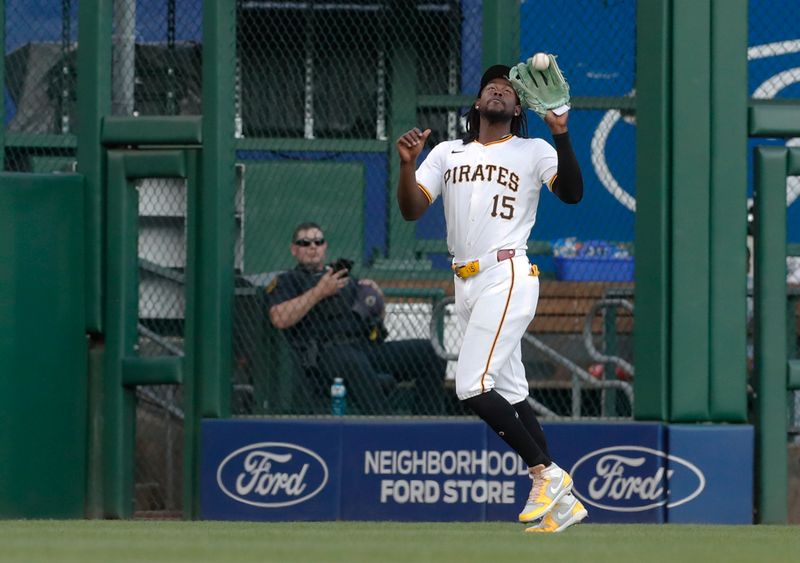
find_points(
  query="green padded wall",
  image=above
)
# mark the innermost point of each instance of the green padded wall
(653, 157)
(690, 225)
(43, 350)
(690, 211)
(728, 228)
(280, 195)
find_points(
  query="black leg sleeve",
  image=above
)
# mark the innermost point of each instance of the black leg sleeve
(531, 424)
(501, 416)
(568, 185)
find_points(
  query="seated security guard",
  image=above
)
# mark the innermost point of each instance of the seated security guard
(334, 323)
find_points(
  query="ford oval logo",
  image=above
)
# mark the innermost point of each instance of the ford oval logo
(635, 478)
(272, 474)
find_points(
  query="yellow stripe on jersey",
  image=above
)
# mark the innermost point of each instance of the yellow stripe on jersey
(500, 326)
(426, 192)
(501, 140)
(551, 182)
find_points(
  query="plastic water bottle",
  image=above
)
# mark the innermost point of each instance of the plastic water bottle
(338, 397)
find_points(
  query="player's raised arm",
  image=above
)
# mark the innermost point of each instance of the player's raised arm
(541, 87)
(568, 184)
(410, 198)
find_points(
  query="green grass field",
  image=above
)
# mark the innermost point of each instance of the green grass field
(384, 542)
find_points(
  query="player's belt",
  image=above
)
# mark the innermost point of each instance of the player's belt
(469, 269)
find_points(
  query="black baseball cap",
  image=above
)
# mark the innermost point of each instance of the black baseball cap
(494, 71)
(369, 304)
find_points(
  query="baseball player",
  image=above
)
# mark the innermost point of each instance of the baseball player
(490, 183)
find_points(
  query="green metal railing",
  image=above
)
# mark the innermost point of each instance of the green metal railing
(775, 373)
(123, 368)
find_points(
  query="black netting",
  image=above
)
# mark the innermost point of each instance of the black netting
(157, 54)
(40, 80)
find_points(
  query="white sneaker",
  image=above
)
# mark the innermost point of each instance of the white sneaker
(567, 511)
(549, 485)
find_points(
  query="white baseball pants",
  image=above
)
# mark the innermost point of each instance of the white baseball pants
(494, 309)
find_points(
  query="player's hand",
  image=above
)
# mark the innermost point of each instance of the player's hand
(331, 282)
(556, 123)
(410, 144)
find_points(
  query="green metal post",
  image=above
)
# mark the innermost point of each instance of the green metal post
(403, 116)
(94, 445)
(216, 211)
(770, 348)
(793, 169)
(121, 310)
(691, 150)
(766, 118)
(500, 32)
(193, 379)
(728, 289)
(653, 150)
(94, 102)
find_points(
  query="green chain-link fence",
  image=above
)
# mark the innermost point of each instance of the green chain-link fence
(156, 70)
(593, 266)
(321, 71)
(40, 117)
(325, 89)
(156, 58)
(162, 298)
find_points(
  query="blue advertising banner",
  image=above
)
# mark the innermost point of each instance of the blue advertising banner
(459, 470)
(721, 459)
(436, 471)
(618, 470)
(270, 470)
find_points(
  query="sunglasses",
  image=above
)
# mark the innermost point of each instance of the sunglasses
(308, 242)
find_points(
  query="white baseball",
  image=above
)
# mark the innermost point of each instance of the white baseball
(540, 61)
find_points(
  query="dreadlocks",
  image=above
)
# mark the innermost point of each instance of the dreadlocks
(519, 125)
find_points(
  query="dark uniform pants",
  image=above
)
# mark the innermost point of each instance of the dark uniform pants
(371, 371)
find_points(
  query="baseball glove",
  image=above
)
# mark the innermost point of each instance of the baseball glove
(540, 90)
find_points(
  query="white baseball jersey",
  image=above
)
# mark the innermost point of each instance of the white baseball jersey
(490, 192)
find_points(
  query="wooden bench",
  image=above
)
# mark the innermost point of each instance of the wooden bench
(414, 290)
(561, 312)
(563, 306)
